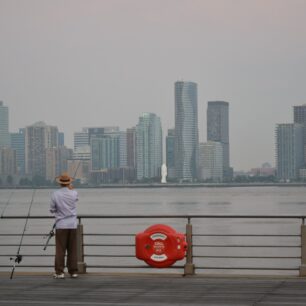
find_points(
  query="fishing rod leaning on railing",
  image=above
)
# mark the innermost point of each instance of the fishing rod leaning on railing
(18, 257)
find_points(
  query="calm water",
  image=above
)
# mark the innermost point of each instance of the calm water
(160, 201)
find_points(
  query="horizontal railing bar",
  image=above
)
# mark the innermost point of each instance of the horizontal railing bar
(101, 255)
(194, 245)
(17, 235)
(172, 267)
(130, 267)
(27, 244)
(28, 266)
(249, 257)
(242, 235)
(163, 217)
(250, 268)
(109, 245)
(107, 235)
(28, 255)
(132, 235)
(244, 246)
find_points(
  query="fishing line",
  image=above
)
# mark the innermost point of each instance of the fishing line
(7, 203)
(18, 257)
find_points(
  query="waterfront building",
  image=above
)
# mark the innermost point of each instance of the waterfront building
(56, 161)
(186, 131)
(211, 161)
(79, 169)
(105, 152)
(218, 131)
(289, 150)
(4, 126)
(101, 131)
(80, 139)
(18, 144)
(265, 170)
(8, 165)
(300, 117)
(131, 147)
(82, 152)
(148, 146)
(61, 139)
(38, 137)
(122, 150)
(170, 153)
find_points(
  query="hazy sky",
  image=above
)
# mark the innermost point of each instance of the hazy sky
(76, 63)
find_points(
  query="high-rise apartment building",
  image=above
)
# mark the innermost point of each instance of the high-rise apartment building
(4, 126)
(148, 146)
(289, 150)
(8, 165)
(17, 143)
(56, 161)
(218, 130)
(170, 153)
(186, 131)
(80, 139)
(300, 117)
(131, 147)
(105, 152)
(211, 161)
(38, 137)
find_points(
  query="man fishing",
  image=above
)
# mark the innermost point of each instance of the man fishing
(63, 206)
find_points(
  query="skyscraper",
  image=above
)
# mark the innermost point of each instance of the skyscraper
(300, 117)
(131, 147)
(4, 126)
(218, 130)
(170, 153)
(17, 143)
(289, 150)
(186, 131)
(38, 137)
(148, 146)
(105, 152)
(211, 161)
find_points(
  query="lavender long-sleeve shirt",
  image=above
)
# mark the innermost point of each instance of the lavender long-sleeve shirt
(63, 206)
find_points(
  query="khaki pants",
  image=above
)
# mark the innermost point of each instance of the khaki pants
(66, 240)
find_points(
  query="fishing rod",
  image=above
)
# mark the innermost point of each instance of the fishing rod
(52, 233)
(18, 257)
(7, 203)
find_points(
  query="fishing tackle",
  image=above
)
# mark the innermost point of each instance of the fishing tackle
(18, 257)
(50, 235)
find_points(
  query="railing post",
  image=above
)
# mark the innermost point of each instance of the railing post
(303, 250)
(80, 249)
(189, 266)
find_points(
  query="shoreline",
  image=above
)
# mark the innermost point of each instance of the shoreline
(169, 185)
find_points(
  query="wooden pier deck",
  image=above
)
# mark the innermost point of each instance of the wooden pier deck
(134, 290)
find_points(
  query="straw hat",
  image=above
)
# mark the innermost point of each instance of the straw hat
(64, 179)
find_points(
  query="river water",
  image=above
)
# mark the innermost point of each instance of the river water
(266, 201)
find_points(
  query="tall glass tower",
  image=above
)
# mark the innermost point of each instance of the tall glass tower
(289, 150)
(148, 146)
(218, 130)
(4, 126)
(300, 117)
(186, 131)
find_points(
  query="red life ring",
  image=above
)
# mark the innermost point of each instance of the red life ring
(160, 246)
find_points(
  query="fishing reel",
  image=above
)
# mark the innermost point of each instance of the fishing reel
(17, 259)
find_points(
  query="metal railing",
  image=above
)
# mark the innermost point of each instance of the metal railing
(206, 251)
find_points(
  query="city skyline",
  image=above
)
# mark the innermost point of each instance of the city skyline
(102, 63)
